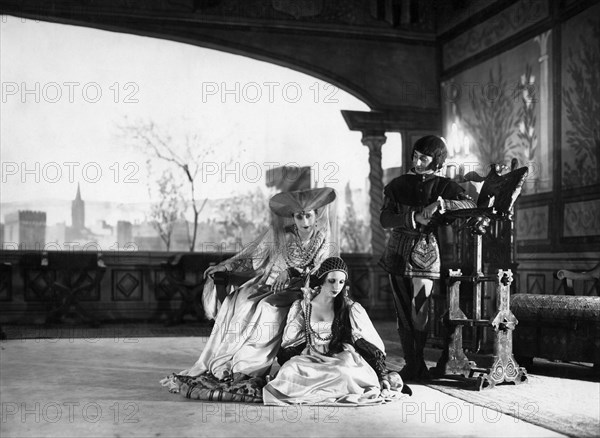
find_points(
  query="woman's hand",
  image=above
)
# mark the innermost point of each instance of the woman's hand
(391, 381)
(280, 281)
(212, 269)
(307, 293)
(385, 384)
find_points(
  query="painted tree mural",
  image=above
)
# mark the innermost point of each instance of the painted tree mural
(168, 209)
(526, 118)
(581, 99)
(493, 121)
(184, 157)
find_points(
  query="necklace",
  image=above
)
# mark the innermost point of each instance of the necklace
(301, 239)
(311, 334)
(297, 255)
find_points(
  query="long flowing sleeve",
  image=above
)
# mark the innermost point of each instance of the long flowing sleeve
(363, 328)
(254, 256)
(294, 341)
(366, 340)
(294, 330)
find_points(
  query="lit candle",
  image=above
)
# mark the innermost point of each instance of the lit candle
(453, 140)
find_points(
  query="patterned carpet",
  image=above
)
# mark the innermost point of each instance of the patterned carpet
(563, 397)
(567, 406)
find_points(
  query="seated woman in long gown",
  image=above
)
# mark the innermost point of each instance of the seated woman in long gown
(249, 324)
(331, 353)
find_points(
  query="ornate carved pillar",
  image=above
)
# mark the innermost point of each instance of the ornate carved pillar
(374, 141)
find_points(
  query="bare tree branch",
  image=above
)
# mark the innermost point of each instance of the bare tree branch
(146, 136)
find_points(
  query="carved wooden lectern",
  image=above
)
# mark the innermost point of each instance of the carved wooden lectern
(494, 204)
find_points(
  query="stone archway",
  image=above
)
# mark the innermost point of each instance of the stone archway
(392, 70)
(387, 68)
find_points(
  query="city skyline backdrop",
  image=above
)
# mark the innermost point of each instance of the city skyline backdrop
(225, 225)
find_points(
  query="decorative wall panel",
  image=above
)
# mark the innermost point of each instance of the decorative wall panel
(5, 283)
(536, 284)
(582, 218)
(501, 110)
(580, 124)
(37, 285)
(532, 223)
(494, 30)
(127, 285)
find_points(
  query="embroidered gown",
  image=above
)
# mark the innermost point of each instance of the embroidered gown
(249, 325)
(312, 377)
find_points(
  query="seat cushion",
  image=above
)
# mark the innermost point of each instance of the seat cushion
(528, 307)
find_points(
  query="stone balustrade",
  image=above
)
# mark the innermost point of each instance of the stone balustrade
(135, 286)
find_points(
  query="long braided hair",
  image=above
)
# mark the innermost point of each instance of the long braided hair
(341, 328)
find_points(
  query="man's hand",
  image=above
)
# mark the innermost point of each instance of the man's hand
(430, 210)
(419, 218)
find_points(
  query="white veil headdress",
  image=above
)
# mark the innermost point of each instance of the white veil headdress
(261, 254)
(321, 200)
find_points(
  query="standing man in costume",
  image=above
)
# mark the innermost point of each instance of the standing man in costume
(412, 255)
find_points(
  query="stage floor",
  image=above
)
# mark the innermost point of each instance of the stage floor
(104, 382)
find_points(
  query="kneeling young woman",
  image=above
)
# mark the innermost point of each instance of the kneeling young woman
(331, 352)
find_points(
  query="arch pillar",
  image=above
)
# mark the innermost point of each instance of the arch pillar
(374, 141)
(374, 125)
